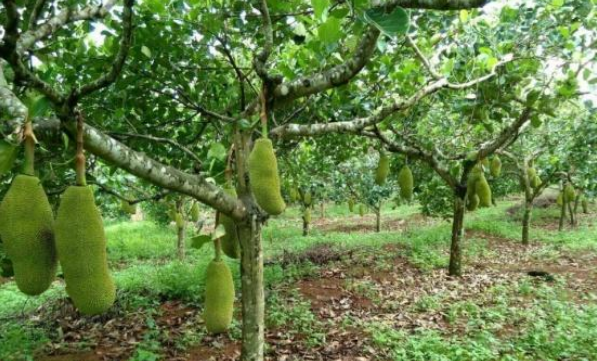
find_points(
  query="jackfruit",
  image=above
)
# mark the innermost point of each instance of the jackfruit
(179, 219)
(127, 207)
(560, 199)
(585, 205)
(307, 215)
(264, 177)
(230, 242)
(496, 167)
(195, 212)
(531, 173)
(27, 231)
(406, 182)
(383, 169)
(483, 191)
(219, 297)
(351, 205)
(485, 162)
(471, 182)
(536, 182)
(569, 193)
(293, 194)
(307, 198)
(81, 245)
(361, 210)
(473, 202)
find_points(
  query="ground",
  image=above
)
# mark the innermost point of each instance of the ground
(343, 293)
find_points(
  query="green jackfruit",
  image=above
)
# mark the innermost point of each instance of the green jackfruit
(27, 231)
(496, 167)
(483, 190)
(485, 162)
(307, 215)
(264, 177)
(531, 173)
(195, 212)
(230, 242)
(219, 297)
(127, 207)
(536, 182)
(179, 219)
(471, 182)
(307, 198)
(362, 210)
(351, 205)
(569, 193)
(81, 245)
(560, 199)
(585, 205)
(473, 202)
(406, 182)
(383, 169)
(293, 194)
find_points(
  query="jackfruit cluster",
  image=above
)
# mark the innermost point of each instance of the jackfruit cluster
(195, 212)
(264, 177)
(81, 245)
(230, 242)
(27, 232)
(406, 183)
(478, 190)
(383, 169)
(219, 297)
(483, 191)
(496, 167)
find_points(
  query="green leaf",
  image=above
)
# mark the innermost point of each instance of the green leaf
(319, 8)
(145, 50)
(8, 154)
(219, 232)
(198, 241)
(217, 151)
(330, 32)
(395, 23)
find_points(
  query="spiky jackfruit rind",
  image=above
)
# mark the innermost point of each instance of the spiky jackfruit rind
(230, 242)
(560, 199)
(472, 202)
(383, 169)
(307, 198)
(81, 245)
(293, 194)
(531, 173)
(569, 193)
(179, 219)
(127, 207)
(351, 205)
(536, 182)
(483, 190)
(495, 168)
(406, 182)
(27, 231)
(219, 297)
(264, 177)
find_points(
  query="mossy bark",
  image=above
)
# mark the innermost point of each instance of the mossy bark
(455, 268)
(378, 219)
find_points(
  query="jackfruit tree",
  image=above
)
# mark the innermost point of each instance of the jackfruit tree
(158, 110)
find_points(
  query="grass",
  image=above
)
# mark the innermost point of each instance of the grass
(143, 259)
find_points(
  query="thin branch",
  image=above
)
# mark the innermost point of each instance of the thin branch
(422, 57)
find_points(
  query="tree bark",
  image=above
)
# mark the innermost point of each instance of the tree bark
(455, 268)
(562, 215)
(253, 301)
(322, 207)
(180, 246)
(378, 219)
(526, 221)
(306, 228)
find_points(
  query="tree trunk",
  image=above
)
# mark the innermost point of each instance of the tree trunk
(571, 211)
(180, 246)
(562, 215)
(378, 219)
(253, 301)
(455, 268)
(526, 221)
(322, 207)
(305, 228)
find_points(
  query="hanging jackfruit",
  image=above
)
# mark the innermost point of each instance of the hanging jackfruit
(230, 242)
(293, 194)
(536, 182)
(219, 297)
(195, 212)
(307, 215)
(406, 182)
(351, 205)
(81, 245)
(560, 199)
(307, 198)
(569, 193)
(383, 169)
(362, 210)
(485, 162)
(496, 167)
(531, 173)
(127, 207)
(264, 177)
(27, 232)
(472, 202)
(483, 191)
(179, 219)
